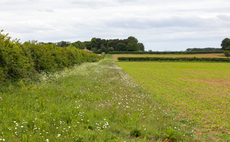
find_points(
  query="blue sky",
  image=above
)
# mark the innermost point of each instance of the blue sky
(160, 25)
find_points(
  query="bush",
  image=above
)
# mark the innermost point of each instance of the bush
(227, 53)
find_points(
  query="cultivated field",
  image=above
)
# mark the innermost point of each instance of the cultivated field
(115, 56)
(199, 92)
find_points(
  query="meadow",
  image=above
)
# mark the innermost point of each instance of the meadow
(216, 55)
(87, 102)
(194, 91)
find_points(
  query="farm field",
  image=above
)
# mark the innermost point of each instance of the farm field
(90, 102)
(115, 56)
(199, 92)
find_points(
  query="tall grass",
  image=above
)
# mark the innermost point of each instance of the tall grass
(90, 102)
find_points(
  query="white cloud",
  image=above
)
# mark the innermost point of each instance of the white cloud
(174, 25)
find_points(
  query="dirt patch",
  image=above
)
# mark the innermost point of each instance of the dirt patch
(224, 82)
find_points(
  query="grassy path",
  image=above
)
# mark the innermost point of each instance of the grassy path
(91, 102)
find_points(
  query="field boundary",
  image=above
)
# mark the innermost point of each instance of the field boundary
(173, 59)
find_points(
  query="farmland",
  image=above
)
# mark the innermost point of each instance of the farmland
(218, 55)
(195, 91)
(89, 102)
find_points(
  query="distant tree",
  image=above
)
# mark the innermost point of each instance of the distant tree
(78, 44)
(130, 47)
(225, 43)
(110, 44)
(63, 43)
(121, 47)
(133, 39)
(93, 49)
(110, 49)
(103, 48)
(94, 43)
(88, 44)
(141, 46)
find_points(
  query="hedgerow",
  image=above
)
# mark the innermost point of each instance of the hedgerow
(26, 60)
(157, 52)
(173, 59)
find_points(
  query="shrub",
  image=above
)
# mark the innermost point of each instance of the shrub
(227, 53)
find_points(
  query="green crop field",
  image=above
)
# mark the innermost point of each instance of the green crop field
(199, 92)
(216, 55)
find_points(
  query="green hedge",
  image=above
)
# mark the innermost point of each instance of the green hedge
(174, 52)
(26, 60)
(173, 59)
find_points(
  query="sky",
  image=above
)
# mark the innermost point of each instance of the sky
(161, 25)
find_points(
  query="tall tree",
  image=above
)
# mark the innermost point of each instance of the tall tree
(141, 46)
(78, 44)
(225, 43)
(121, 47)
(133, 39)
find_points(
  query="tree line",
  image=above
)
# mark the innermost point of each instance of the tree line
(204, 49)
(105, 45)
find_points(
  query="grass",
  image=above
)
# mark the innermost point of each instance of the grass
(199, 92)
(218, 55)
(90, 102)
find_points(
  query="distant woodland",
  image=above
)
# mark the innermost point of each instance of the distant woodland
(204, 49)
(105, 45)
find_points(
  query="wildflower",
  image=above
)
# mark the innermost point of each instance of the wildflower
(58, 135)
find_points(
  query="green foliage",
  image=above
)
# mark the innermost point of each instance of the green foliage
(15, 60)
(25, 60)
(131, 47)
(78, 44)
(63, 43)
(227, 48)
(132, 39)
(141, 46)
(225, 43)
(121, 47)
(110, 49)
(173, 59)
(103, 48)
(227, 53)
(135, 133)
